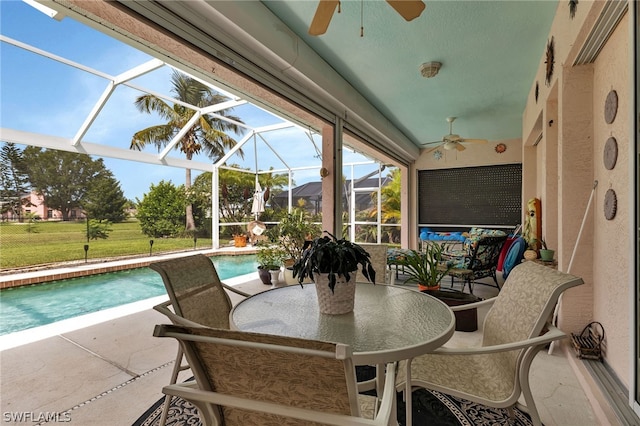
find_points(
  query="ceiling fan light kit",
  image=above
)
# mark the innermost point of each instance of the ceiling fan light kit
(449, 145)
(430, 69)
(452, 140)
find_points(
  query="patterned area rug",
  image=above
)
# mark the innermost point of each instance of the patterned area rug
(429, 408)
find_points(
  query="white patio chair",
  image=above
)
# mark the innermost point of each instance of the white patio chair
(197, 297)
(257, 379)
(378, 253)
(496, 373)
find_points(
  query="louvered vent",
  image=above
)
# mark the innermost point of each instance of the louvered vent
(612, 12)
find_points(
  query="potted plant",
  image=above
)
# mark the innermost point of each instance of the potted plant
(546, 254)
(269, 261)
(333, 265)
(294, 233)
(425, 267)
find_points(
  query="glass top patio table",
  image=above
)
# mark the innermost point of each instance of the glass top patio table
(387, 324)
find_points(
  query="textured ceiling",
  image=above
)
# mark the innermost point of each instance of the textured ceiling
(490, 52)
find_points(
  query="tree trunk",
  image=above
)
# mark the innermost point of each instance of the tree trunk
(191, 224)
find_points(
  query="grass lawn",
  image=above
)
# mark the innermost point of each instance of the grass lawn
(41, 243)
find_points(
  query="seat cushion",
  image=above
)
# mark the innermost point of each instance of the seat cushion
(514, 256)
(483, 376)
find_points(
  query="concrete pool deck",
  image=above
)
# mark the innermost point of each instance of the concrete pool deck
(112, 371)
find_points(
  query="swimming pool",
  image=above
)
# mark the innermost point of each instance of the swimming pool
(26, 307)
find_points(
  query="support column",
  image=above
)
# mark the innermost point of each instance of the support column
(408, 206)
(332, 179)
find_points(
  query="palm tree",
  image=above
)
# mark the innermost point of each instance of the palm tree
(390, 204)
(208, 136)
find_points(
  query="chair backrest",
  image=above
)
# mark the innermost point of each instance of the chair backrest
(293, 372)
(378, 253)
(195, 290)
(524, 305)
(485, 253)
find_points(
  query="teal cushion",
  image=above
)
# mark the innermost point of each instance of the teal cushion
(514, 256)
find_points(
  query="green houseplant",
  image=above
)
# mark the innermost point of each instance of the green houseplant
(269, 259)
(332, 264)
(332, 256)
(425, 267)
(546, 254)
(293, 231)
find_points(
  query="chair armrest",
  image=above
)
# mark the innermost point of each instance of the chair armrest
(554, 333)
(188, 392)
(473, 305)
(235, 290)
(163, 308)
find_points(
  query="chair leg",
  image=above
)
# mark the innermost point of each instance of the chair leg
(524, 385)
(177, 367)
(495, 280)
(408, 396)
(469, 282)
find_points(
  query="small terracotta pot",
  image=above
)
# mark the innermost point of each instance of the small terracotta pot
(422, 287)
(240, 240)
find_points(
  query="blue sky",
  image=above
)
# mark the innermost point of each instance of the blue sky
(43, 96)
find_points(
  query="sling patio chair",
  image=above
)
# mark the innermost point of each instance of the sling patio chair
(497, 372)
(197, 297)
(247, 378)
(378, 253)
(480, 260)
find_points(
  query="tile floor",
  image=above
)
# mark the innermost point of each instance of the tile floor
(110, 372)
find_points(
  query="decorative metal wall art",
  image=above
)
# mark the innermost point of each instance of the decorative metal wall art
(550, 61)
(610, 204)
(573, 7)
(500, 148)
(610, 153)
(611, 107)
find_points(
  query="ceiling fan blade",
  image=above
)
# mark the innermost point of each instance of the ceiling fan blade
(322, 17)
(460, 147)
(431, 143)
(408, 9)
(474, 140)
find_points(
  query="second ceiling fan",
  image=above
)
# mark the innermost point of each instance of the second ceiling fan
(452, 141)
(408, 9)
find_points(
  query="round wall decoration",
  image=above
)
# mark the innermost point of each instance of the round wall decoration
(500, 148)
(437, 154)
(610, 153)
(610, 204)
(611, 107)
(550, 61)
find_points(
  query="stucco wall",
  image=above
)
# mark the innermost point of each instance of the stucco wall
(572, 149)
(611, 237)
(474, 155)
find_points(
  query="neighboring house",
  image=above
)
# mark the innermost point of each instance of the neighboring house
(311, 194)
(34, 203)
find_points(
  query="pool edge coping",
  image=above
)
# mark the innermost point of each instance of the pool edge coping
(85, 269)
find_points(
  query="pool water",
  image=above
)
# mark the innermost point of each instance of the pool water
(26, 307)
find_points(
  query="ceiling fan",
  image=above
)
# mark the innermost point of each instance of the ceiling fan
(453, 141)
(408, 9)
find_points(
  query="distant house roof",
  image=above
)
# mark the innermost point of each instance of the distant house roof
(312, 191)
